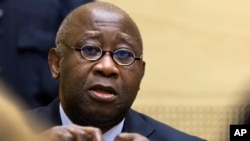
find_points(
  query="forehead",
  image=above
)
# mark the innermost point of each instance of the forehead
(94, 19)
(100, 20)
(102, 15)
(97, 21)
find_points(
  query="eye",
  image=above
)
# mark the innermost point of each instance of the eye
(123, 54)
(91, 50)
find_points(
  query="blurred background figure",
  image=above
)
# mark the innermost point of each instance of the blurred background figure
(27, 31)
(13, 125)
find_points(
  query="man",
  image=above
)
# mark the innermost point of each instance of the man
(98, 60)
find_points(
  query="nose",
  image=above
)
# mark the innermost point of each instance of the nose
(106, 66)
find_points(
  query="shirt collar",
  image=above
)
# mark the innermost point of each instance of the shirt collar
(108, 136)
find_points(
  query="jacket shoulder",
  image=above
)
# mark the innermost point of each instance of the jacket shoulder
(42, 118)
(163, 131)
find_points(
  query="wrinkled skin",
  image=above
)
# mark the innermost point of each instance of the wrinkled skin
(96, 94)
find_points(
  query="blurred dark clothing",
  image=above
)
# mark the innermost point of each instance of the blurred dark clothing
(245, 115)
(27, 31)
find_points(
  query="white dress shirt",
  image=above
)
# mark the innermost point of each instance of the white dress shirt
(108, 136)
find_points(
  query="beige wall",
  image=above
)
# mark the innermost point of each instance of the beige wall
(198, 61)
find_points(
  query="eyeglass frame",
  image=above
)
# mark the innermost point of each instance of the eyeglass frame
(110, 52)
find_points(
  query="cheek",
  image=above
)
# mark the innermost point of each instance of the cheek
(72, 78)
(73, 81)
(69, 73)
(133, 78)
(131, 84)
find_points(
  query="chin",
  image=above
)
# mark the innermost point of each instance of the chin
(99, 119)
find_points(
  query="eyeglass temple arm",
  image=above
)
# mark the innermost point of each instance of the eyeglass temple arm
(138, 58)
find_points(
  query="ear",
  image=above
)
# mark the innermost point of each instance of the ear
(143, 68)
(54, 63)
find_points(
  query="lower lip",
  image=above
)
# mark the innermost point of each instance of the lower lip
(100, 96)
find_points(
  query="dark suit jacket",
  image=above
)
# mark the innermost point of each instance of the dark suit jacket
(134, 122)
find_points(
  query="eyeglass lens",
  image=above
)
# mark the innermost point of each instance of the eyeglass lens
(121, 56)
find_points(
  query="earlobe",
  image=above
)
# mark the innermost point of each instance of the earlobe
(54, 63)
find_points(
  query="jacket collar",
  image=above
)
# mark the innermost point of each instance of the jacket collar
(135, 123)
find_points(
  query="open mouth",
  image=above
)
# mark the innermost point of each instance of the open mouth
(103, 93)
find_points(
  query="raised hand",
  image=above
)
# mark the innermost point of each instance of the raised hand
(72, 133)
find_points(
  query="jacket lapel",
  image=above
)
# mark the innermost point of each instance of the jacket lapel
(53, 113)
(135, 123)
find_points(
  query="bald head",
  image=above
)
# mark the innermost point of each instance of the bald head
(83, 18)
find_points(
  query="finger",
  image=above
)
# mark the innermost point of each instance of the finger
(89, 133)
(57, 133)
(131, 137)
(72, 133)
(78, 134)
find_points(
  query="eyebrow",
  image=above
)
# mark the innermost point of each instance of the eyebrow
(126, 38)
(91, 35)
(96, 34)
